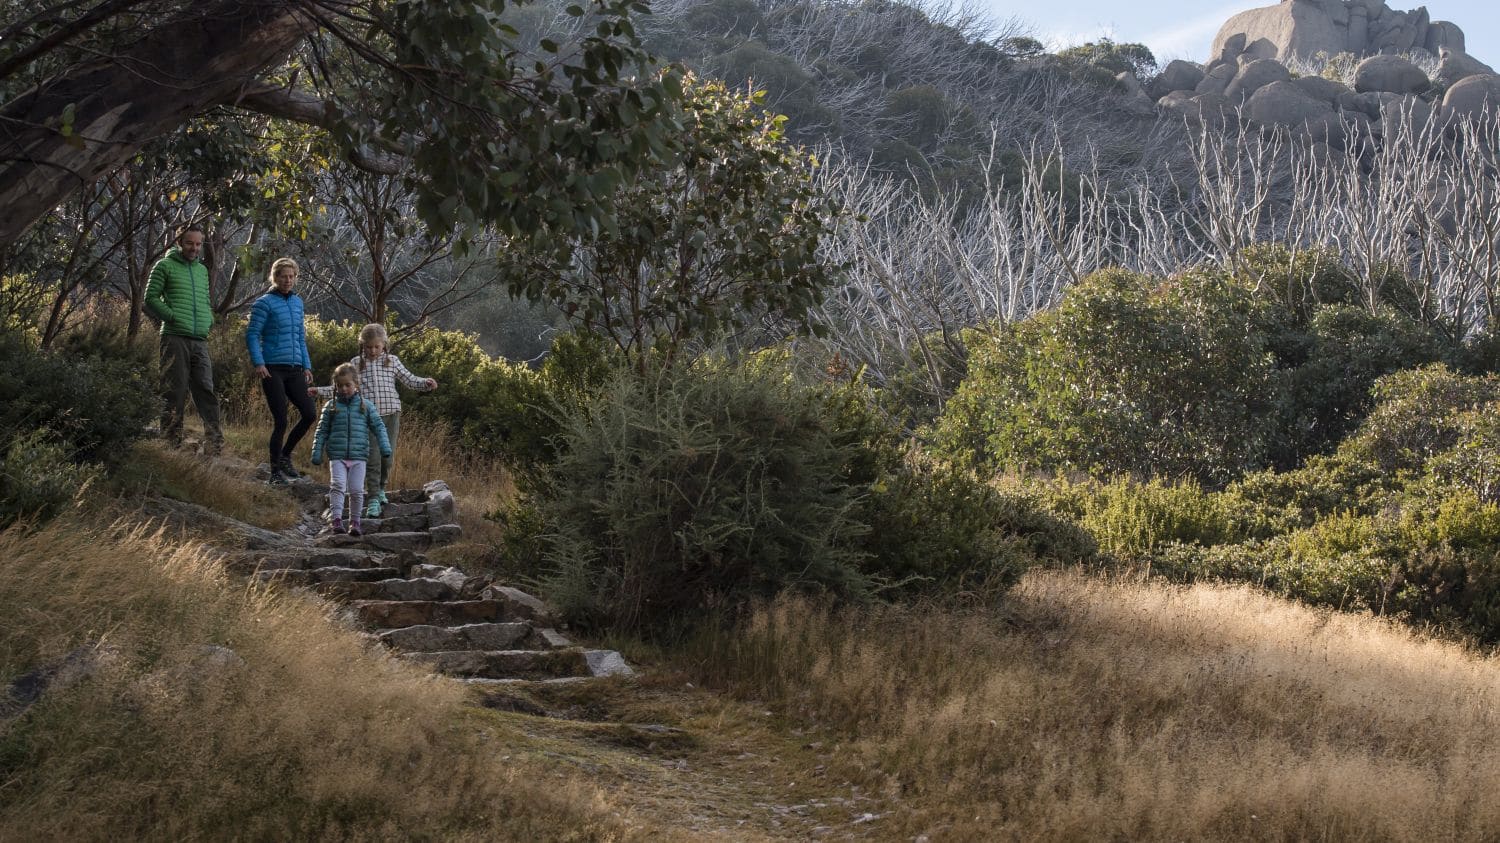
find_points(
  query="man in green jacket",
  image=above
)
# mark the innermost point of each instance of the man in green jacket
(177, 294)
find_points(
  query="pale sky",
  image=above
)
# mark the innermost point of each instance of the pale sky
(1180, 30)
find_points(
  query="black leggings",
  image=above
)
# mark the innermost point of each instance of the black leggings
(287, 384)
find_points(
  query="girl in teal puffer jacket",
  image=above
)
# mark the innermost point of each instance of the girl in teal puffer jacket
(346, 430)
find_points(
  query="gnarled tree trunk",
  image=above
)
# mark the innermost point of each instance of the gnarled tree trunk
(175, 71)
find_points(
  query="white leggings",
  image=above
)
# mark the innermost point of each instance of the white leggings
(346, 475)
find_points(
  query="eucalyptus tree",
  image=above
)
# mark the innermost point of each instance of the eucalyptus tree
(727, 233)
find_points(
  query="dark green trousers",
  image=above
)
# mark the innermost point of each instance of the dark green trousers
(186, 369)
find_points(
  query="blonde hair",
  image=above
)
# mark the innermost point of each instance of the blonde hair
(371, 333)
(279, 263)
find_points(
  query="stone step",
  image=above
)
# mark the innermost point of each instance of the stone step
(387, 542)
(396, 614)
(514, 635)
(394, 588)
(306, 558)
(407, 496)
(505, 664)
(326, 577)
(403, 510)
(396, 524)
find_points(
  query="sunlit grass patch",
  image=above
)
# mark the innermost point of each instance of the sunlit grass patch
(1135, 711)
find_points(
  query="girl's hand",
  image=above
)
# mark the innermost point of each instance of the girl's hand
(431, 384)
(312, 392)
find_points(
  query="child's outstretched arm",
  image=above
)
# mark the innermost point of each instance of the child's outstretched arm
(411, 380)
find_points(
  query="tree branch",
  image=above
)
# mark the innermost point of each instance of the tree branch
(312, 111)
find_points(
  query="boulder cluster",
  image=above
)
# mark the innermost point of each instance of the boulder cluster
(1248, 83)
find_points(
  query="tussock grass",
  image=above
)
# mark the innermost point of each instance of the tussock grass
(154, 468)
(310, 737)
(1099, 710)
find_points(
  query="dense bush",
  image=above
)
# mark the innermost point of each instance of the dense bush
(1206, 375)
(1128, 374)
(696, 488)
(37, 478)
(94, 402)
(936, 529)
(701, 486)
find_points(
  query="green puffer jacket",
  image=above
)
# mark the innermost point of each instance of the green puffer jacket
(177, 294)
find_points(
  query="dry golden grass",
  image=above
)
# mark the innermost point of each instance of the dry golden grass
(154, 468)
(1099, 710)
(312, 737)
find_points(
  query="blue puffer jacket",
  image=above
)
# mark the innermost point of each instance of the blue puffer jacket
(346, 428)
(276, 333)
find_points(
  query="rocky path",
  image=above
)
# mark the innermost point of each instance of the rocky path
(452, 622)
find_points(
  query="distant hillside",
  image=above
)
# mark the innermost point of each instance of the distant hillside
(915, 91)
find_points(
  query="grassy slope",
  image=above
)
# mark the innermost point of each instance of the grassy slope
(1091, 709)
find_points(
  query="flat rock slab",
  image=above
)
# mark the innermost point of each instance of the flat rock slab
(521, 604)
(396, 524)
(391, 588)
(505, 664)
(403, 510)
(395, 614)
(329, 576)
(387, 542)
(475, 636)
(306, 558)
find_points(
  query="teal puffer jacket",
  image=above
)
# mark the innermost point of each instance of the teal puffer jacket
(277, 333)
(346, 429)
(177, 294)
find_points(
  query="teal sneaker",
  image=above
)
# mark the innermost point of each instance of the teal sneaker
(373, 509)
(382, 498)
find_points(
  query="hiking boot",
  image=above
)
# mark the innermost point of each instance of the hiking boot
(338, 525)
(373, 510)
(354, 529)
(288, 470)
(277, 478)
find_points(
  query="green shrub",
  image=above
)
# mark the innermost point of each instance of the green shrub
(1130, 519)
(95, 406)
(1420, 413)
(1127, 375)
(937, 529)
(1348, 348)
(698, 488)
(37, 478)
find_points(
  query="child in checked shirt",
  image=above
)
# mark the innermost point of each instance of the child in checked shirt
(378, 372)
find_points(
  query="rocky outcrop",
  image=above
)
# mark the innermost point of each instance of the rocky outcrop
(1247, 82)
(1389, 74)
(1178, 75)
(1304, 28)
(1473, 97)
(1456, 66)
(1254, 75)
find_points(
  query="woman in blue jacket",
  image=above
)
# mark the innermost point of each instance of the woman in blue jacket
(277, 340)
